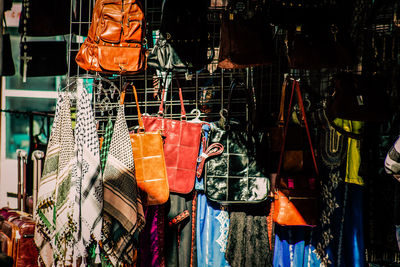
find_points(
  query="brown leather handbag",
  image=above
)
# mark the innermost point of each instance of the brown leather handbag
(181, 147)
(356, 97)
(319, 46)
(296, 194)
(246, 40)
(295, 154)
(148, 155)
(115, 41)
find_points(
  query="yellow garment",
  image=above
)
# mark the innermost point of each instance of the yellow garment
(353, 161)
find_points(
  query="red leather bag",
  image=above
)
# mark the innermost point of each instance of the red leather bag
(181, 147)
(296, 194)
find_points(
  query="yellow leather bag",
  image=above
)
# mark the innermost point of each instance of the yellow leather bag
(150, 168)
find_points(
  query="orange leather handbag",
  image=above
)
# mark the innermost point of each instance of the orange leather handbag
(296, 194)
(181, 148)
(115, 41)
(150, 169)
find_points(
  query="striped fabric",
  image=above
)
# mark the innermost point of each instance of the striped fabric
(123, 216)
(392, 161)
(70, 198)
(55, 206)
(65, 189)
(46, 195)
(106, 144)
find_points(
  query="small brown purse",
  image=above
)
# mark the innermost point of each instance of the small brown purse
(148, 155)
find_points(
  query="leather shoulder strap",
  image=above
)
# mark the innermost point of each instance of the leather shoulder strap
(296, 87)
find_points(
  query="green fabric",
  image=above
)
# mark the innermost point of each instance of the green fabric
(105, 262)
(106, 144)
(353, 150)
(73, 117)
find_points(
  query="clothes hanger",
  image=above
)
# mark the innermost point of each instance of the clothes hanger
(197, 117)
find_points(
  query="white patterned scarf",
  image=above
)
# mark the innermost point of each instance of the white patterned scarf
(46, 191)
(54, 208)
(89, 194)
(71, 183)
(65, 188)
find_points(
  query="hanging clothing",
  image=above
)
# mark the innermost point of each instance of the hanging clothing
(47, 194)
(199, 182)
(123, 216)
(65, 191)
(106, 144)
(340, 241)
(151, 239)
(71, 182)
(104, 148)
(294, 247)
(333, 148)
(212, 224)
(89, 184)
(347, 246)
(211, 233)
(178, 230)
(353, 150)
(248, 242)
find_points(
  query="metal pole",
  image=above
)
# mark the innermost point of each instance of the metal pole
(21, 156)
(37, 157)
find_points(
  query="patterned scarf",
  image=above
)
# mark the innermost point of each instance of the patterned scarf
(89, 191)
(106, 144)
(46, 194)
(61, 238)
(71, 182)
(123, 216)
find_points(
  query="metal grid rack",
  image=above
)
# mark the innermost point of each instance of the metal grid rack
(265, 81)
(213, 85)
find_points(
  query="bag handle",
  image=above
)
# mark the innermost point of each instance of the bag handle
(224, 121)
(122, 97)
(296, 86)
(161, 108)
(214, 149)
(281, 120)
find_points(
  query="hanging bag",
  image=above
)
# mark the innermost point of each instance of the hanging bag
(236, 176)
(296, 195)
(7, 63)
(246, 39)
(148, 155)
(115, 42)
(181, 146)
(296, 154)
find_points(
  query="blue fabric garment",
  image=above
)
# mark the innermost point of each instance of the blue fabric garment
(211, 233)
(294, 247)
(347, 248)
(199, 185)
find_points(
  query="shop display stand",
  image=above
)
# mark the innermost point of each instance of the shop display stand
(215, 84)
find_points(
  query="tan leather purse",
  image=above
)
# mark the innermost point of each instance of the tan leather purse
(148, 155)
